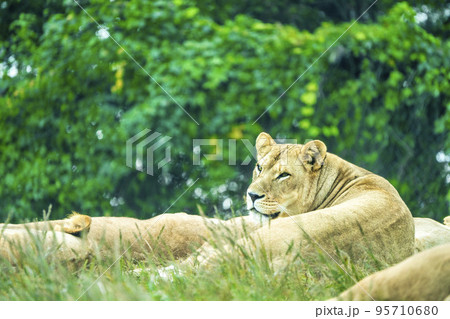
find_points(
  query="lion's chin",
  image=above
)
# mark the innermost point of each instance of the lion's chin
(260, 217)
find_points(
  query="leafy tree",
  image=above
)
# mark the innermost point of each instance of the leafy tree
(378, 98)
(310, 14)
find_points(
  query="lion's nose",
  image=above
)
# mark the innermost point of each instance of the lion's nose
(254, 196)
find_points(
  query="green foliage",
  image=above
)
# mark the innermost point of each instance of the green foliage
(378, 98)
(303, 14)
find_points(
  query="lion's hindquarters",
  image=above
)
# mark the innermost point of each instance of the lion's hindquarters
(416, 278)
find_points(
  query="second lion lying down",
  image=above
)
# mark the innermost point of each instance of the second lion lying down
(302, 197)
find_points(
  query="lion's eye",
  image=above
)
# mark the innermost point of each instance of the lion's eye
(258, 168)
(283, 175)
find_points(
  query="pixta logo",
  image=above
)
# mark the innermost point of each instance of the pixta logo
(147, 142)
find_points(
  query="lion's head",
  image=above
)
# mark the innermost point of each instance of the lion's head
(283, 178)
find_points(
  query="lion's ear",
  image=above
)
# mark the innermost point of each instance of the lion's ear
(313, 155)
(263, 144)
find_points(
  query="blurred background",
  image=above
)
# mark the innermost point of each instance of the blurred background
(70, 98)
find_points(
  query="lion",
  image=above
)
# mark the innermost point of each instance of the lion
(79, 237)
(302, 198)
(430, 233)
(312, 200)
(58, 239)
(424, 276)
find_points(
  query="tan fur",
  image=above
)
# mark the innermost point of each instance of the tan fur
(15, 243)
(162, 237)
(430, 233)
(76, 223)
(425, 276)
(447, 221)
(326, 202)
(168, 235)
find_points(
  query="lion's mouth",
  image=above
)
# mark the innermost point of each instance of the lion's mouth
(271, 216)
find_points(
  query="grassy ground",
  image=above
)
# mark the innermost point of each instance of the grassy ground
(249, 278)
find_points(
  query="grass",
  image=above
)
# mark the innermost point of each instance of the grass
(40, 277)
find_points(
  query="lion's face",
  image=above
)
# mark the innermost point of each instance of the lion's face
(282, 177)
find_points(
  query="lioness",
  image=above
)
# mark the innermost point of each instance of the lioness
(425, 276)
(430, 233)
(316, 200)
(312, 198)
(167, 236)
